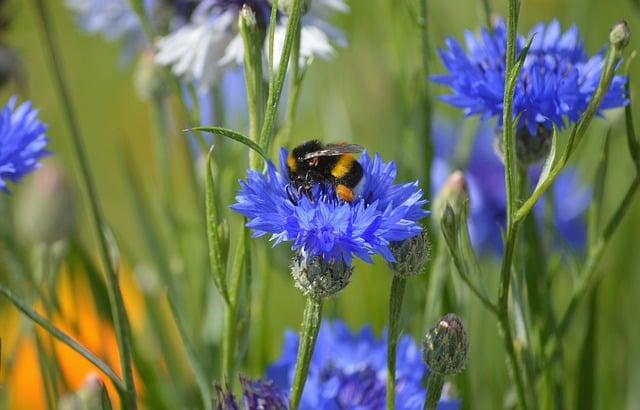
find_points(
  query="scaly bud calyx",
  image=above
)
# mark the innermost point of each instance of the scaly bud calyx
(445, 346)
(318, 278)
(620, 35)
(411, 255)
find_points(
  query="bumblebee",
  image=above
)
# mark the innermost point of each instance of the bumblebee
(335, 164)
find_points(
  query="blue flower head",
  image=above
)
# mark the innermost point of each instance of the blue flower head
(22, 142)
(484, 175)
(327, 227)
(256, 394)
(555, 85)
(349, 371)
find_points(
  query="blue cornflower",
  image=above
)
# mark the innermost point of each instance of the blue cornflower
(326, 226)
(484, 174)
(349, 371)
(22, 141)
(256, 394)
(555, 85)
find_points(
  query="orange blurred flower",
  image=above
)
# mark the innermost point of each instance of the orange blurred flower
(79, 316)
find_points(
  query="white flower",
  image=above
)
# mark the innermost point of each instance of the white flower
(195, 50)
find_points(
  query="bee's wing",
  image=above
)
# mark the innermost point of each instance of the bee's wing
(330, 150)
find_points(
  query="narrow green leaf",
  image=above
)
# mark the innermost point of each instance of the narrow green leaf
(587, 386)
(64, 338)
(551, 159)
(234, 135)
(217, 259)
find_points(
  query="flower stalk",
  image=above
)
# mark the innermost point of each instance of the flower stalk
(121, 321)
(310, 327)
(434, 390)
(396, 296)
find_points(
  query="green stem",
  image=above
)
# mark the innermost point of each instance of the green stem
(230, 325)
(310, 327)
(486, 12)
(294, 91)
(396, 296)
(611, 61)
(120, 318)
(427, 110)
(64, 338)
(192, 357)
(275, 88)
(434, 390)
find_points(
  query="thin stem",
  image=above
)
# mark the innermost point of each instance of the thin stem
(272, 31)
(428, 151)
(230, 325)
(294, 90)
(611, 61)
(434, 390)
(275, 88)
(486, 12)
(200, 374)
(310, 327)
(64, 338)
(120, 319)
(396, 296)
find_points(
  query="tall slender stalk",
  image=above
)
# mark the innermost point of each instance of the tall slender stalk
(426, 110)
(310, 327)
(120, 318)
(396, 296)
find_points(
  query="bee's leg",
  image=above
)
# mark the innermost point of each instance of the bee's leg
(292, 198)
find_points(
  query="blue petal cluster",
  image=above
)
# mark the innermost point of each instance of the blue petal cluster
(484, 174)
(385, 212)
(556, 83)
(22, 141)
(256, 394)
(349, 371)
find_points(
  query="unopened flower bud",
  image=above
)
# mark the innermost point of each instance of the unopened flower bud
(445, 346)
(411, 255)
(620, 35)
(530, 149)
(91, 396)
(248, 18)
(44, 211)
(318, 278)
(453, 193)
(149, 78)
(286, 6)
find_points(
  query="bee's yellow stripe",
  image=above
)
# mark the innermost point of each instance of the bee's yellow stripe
(291, 162)
(343, 166)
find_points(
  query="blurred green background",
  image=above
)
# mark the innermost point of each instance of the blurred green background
(360, 96)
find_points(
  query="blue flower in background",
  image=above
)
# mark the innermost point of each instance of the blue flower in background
(484, 174)
(327, 227)
(22, 142)
(556, 83)
(349, 371)
(256, 394)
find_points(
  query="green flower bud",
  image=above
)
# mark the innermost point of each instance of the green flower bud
(620, 35)
(45, 206)
(411, 255)
(149, 78)
(318, 278)
(91, 396)
(454, 193)
(445, 346)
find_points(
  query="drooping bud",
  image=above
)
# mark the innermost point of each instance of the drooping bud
(318, 278)
(286, 6)
(620, 35)
(91, 396)
(149, 78)
(445, 346)
(530, 149)
(411, 255)
(454, 193)
(45, 207)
